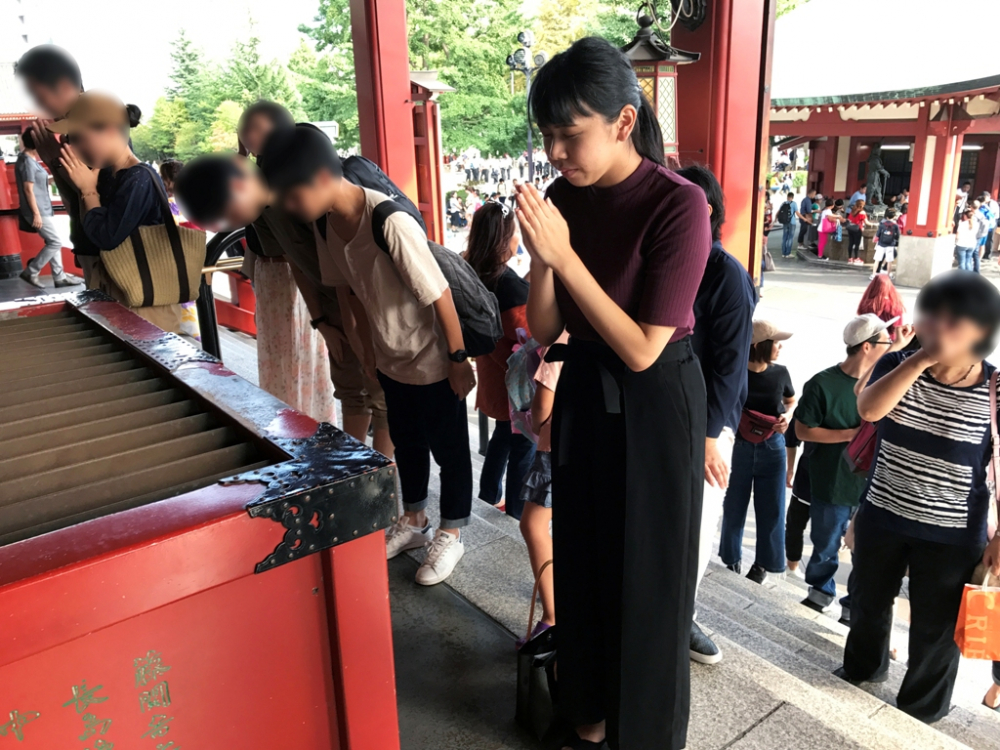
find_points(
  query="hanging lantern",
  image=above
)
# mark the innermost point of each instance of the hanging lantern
(655, 64)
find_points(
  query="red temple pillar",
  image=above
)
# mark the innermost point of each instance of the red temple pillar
(382, 72)
(723, 112)
(926, 249)
(988, 168)
(10, 242)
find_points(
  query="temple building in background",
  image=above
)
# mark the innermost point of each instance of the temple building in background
(935, 116)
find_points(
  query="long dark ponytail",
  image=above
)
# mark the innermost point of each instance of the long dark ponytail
(594, 77)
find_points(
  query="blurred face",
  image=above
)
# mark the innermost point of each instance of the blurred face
(874, 352)
(100, 146)
(248, 199)
(255, 132)
(775, 350)
(585, 150)
(54, 101)
(949, 339)
(311, 200)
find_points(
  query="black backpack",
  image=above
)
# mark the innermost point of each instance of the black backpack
(785, 213)
(888, 233)
(365, 173)
(477, 307)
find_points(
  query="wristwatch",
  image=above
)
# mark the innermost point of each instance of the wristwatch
(315, 322)
(460, 356)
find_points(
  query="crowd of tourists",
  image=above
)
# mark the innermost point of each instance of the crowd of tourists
(817, 221)
(657, 402)
(463, 204)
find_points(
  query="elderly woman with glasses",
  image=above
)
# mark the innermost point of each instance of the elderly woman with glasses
(493, 241)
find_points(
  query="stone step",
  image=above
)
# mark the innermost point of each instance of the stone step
(772, 623)
(793, 713)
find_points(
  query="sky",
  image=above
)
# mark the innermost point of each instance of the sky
(882, 45)
(124, 45)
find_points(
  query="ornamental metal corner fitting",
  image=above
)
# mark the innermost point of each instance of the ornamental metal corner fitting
(332, 490)
(329, 515)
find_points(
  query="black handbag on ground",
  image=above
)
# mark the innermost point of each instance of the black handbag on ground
(536, 683)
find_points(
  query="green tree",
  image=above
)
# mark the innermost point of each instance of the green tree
(616, 23)
(194, 81)
(156, 139)
(247, 78)
(325, 74)
(326, 86)
(468, 42)
(222, 133)
(562, 22)
(786, 6)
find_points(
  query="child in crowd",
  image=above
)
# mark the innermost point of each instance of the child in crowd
(887, 240)
(966, 242)
(797, 515)
(493, 241)
(537, 493)
(408, 331)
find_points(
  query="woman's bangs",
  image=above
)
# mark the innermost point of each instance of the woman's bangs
(555, 100)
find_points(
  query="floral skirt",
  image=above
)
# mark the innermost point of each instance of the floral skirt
(292, 360)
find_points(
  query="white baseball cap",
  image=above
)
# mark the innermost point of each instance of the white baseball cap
(866, 327)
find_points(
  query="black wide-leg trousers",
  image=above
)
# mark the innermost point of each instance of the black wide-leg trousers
(628, 475)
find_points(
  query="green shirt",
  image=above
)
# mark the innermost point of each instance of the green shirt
(828, 401)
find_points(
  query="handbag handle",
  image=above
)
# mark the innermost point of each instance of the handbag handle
(173, 234)
(534, 596)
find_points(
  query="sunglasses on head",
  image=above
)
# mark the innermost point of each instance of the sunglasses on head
(503, 206)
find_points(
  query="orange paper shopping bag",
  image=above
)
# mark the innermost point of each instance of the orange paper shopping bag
(978, 630)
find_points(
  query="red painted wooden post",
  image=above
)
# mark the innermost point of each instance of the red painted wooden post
(382, 71)
(723, 106)
(10, 242)
(357, 594)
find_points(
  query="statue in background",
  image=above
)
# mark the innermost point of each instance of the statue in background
(877, 177)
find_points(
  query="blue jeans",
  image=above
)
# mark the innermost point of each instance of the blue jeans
(829, 524)
(787, 236)
(758, 468)
(965, 261)
(510, 451)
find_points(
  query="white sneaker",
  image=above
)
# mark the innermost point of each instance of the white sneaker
(401, 537)
(443, 555)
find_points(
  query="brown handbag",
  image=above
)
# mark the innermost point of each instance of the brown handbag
(159, 264)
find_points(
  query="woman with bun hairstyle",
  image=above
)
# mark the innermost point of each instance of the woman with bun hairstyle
(118, 193)
(618, 249)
